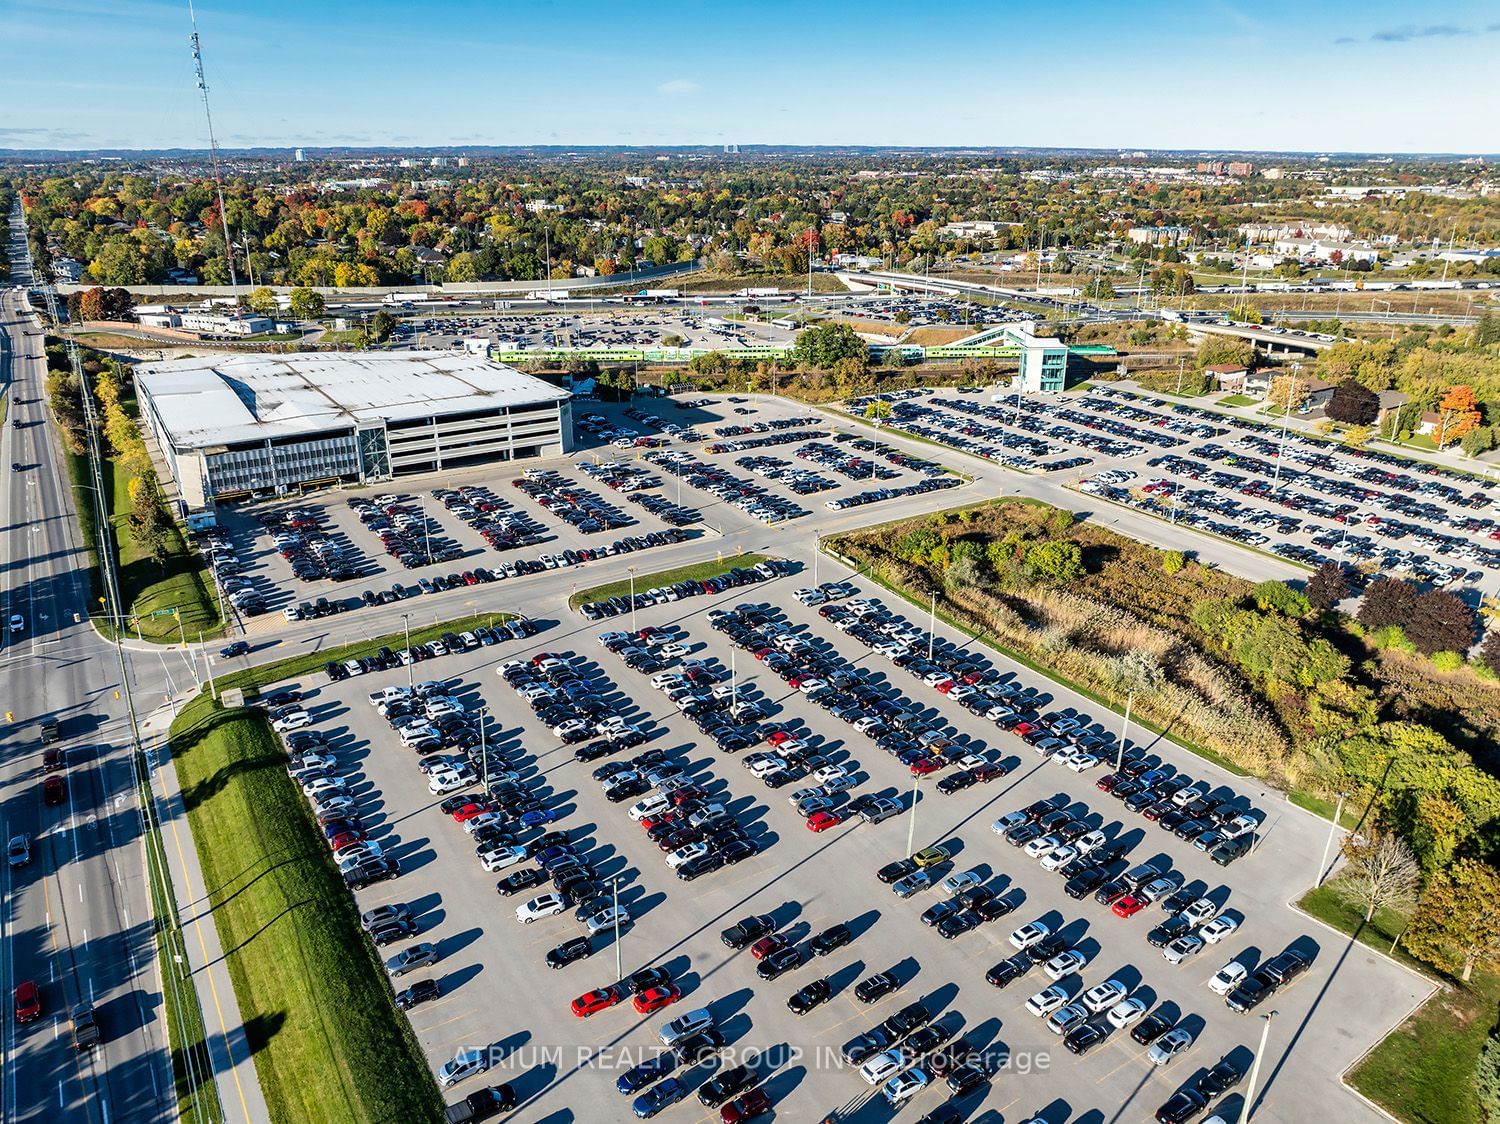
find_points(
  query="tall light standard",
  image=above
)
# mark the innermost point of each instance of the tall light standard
(1332, 830)
(1265, 1031)
(632, 598)
(911, 817)
(817, 550)
(411, 661)
(1124, 732)
(931, 624)
(1286, 420)
(614, 889)
(484, 751)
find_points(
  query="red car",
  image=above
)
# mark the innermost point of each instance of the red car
(1128, 906)
(540, 656)
(655, 998)
(656, 821)
(586, 1005)
(28, 1002)
(822, 821)
(469, 811)
(1021, 729)
(767, 945)
(945, 686)
(1108, 781)
(924, 766)
(688, 795)
(751, 1105)
(54, 790)
(345, 839)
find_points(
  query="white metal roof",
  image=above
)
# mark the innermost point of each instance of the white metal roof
(222, 399)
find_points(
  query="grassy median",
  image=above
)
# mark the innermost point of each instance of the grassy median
(328, 1041)
(701, 571)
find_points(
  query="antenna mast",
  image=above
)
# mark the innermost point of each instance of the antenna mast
(213, 146)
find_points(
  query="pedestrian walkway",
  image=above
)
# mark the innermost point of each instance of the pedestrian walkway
(229, 1052)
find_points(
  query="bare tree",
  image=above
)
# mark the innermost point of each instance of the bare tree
(1381, 872)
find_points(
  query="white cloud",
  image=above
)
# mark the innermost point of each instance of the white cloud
(678, 87)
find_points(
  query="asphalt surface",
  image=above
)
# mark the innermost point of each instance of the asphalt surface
(76, 919)
(497, 994)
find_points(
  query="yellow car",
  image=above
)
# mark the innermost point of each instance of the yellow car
(931, 856)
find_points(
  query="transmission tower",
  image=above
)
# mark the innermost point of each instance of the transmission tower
(213, 145)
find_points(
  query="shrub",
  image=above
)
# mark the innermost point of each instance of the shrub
(1447, 661)
(1391, 636)
(1172, 561)
(1440, 622)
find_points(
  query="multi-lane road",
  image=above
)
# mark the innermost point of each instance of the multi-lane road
(76, 919)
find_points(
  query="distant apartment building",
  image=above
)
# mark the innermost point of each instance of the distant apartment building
(1294, 228)
(1239, 168)
(1158, 235)
(974, 228)
(1327, 250)
(540, 206)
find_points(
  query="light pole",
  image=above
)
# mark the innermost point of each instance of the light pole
(1286, 420)
(614, 889)
(1332, 830)
(817, 550)
(411, 662)
(632, 598)
(484, 751)
(1265, 1031)
(1124, 732)
(931, 624)
(911, 817)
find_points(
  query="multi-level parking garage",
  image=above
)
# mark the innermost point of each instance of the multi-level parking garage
(257, 425)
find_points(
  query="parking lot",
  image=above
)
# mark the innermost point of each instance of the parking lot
(607, 327)
(1307, 500)
(640, 479)
(497, 994)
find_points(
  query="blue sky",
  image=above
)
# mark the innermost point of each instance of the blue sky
(1320, 75)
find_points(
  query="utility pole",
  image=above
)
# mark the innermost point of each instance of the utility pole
(1286, 420)
(1265, 1031)
(1332, 831)
(484, 754)
(614, 889)
(931, 624)
(632, 599)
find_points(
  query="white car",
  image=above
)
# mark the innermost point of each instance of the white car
(548, 905)
(882, 1067)
(1217, 929)
(1041, 845)
(1169, 1045)
(901, 1088)
(1200, 911)
(325, 787)
(957, 882)
(468, 1062)
(1090, 842)
(1047, 1000)
(764, 767)
(672, 651)
(686, 854)
(338, 802)
(17, 623)
(294, 721)
(478, 823)
(1102, 997)
(1028, 935)
(357, 853)
(653, 805)
(607, 918)
(1059, 857)
(1081, 762)
(827, 774)
(1227, 978)
(1064, 964)
(1126, 1012)
(1182, 948)
(572, 728)
(501, 858)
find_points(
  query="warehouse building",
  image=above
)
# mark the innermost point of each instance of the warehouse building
(232, 426)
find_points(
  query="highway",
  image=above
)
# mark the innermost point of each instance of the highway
(76, 919)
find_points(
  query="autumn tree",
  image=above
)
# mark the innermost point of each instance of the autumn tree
(263, 301)
(1287, 393)
(1440, 622)
(823, 345)
(1381, 873)
(306, 304)
(1327, 587)
(1458, 413)
(1353, 403)
(1457, 926)
(1386, 602)
(1489, 652)
(878, 410)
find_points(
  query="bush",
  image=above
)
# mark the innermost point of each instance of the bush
(1487, 1079)
(1447, 661)
(1391, 636)
(1282, 598)
(1172, 561)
